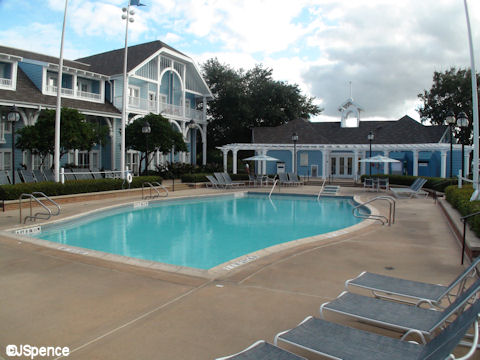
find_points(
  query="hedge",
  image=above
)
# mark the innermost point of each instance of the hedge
(460, 200)
(433, 183)
(13, 192)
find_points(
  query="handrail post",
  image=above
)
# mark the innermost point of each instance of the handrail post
(463, 242)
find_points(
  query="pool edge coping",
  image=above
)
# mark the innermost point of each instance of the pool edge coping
(212, 273)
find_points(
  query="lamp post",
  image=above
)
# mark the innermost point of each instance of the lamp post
(371, 137)
(127, 15)
(191, 126)
(13, 116)
(146, 130)
(450, 120)
(462, 122)
(295, 139)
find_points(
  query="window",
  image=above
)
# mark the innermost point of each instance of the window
(133, 95)
(37, 162)
(83, 85)
(83, 160)
(132, 160)
(303, 159)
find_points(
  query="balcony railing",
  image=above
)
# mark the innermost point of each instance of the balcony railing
(50, 89)
(135, 103)
(5, 82)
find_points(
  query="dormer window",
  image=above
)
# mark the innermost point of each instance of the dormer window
(7, 75)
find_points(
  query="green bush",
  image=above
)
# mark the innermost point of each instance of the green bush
(460, 200)
(13, 192)
(433, 183)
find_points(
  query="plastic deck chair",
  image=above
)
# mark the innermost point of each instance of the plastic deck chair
(388, 287)
(39, 175)
(4, 178)
(412, 191)
(69, 175)
(262, 350)
(402, 317)
(213, 182)
(342, 342)
(230, 182)
(49, 174)
(27, 176)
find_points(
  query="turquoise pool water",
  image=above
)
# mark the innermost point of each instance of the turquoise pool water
(203, 232)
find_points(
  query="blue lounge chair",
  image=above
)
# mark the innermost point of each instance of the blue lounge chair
(39, 175)
(402, 317)
(388, 287)
(337, 341)
(213, 182)
(412, 191)
(262, 350)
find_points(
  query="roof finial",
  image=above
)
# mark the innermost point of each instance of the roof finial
(350, 83)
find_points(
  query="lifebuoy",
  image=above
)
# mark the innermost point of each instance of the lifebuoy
(129, 178)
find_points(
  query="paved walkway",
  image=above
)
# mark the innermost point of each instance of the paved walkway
(105, 310)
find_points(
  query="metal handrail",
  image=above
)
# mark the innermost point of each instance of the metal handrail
(464, 219)
(383, 219)
(153, 186)
(321, 189)
(273, 187)
(38, 215)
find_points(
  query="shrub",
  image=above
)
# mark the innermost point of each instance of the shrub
(460, 200)
(13, 192)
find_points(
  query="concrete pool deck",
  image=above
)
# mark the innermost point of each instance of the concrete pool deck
(107, 310)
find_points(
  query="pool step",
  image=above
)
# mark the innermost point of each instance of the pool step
(331, 189)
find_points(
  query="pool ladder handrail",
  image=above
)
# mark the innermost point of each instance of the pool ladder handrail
(273, 187)
(321, 189)
(38, 215)
(154, 185)
(383, 219)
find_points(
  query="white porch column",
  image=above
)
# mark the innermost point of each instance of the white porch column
(466, 165)
(113, 142)
(415, 162)
(263, 163)
(362, 167)
(443, 167)
(225, 156)
(75, 159)
(325, 163)
(355, 165)
(234, 152)
(386, 165)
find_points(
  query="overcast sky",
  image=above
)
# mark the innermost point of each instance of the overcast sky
(387, 49)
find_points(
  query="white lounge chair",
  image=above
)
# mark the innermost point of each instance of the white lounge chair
(412, 191)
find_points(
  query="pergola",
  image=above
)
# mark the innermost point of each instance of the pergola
(358, 150)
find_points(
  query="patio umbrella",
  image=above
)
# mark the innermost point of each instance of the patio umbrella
(379, 159)
(261, 158)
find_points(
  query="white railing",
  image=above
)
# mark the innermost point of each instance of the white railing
(5, 82)
(165, 109)
(88, 95)
(53, 90)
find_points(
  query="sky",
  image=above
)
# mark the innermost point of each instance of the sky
(388, 50)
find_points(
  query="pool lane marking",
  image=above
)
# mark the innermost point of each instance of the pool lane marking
(138, 318)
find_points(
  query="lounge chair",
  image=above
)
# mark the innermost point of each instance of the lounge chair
(222, 181)
(82, 174)
(294, 179)
(49, 174)
(39, 175)
(283, 179)
(262, 350)
(337, 341)
(17, 177)
(252, 180)
(213, 182)
(412, 191)
(402, 317)
(69, 174)
(388, 287)
(383, 184)
(229, 181)
(27, 176)
(96, 174)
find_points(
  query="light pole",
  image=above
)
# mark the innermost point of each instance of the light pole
(462, 122)
(146, 130)
(371, 137)
(127, 13)
(295, 139)
(191, 126)
(13, 116)
(450, 120)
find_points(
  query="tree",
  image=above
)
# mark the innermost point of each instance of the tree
(163, 137)
(247, 99)
(451, 90)
(75, 133)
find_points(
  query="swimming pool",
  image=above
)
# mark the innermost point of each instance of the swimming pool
(203, 232)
